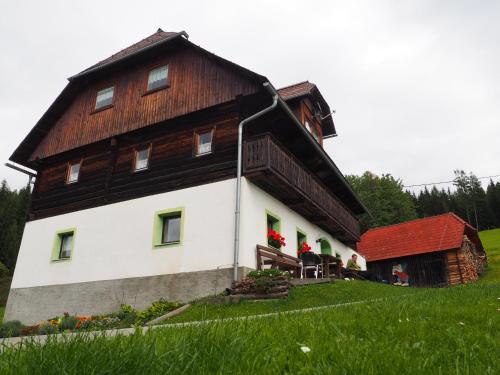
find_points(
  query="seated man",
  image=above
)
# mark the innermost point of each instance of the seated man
(352, 264)
(353, 270)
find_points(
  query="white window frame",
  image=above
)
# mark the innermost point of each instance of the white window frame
(102, 92)
(162, 79)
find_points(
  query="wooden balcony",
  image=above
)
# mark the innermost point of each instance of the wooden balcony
(274, 169)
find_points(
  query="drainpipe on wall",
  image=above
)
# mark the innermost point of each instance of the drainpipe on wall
(237, 211)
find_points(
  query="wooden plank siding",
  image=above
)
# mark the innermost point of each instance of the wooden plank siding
(424, 270)
(195, 81)
(107, 176)
(275, 169)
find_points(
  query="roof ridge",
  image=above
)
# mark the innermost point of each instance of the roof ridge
(295, 84)
(411, 221)
(160, 34)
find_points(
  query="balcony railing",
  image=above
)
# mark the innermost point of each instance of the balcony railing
(278, 172)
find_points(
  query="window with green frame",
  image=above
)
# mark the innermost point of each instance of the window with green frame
(273, 222)
(301, 238)
(63, 245)
(168, 227)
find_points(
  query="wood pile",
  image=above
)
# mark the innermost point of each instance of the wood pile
(261, 288)
(465, 264)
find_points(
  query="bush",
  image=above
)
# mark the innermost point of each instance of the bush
(68, 322)
(47, 329)
(156, 309)
(11, 328)
(4, 271)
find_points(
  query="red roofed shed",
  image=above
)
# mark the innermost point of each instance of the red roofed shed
(433, 251)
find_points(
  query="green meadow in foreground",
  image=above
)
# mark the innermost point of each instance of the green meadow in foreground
(400, 330)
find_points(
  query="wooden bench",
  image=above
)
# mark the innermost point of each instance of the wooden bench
(276, 259)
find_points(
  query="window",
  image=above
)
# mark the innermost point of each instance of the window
(273, 224)
(63, 245)
(73, 172)
(168, 227)
(203, 142)
(142, 159)
(308, 126)
(104, 98)
(157, 78)
(171, 229)
(312, 130)
(301, 238)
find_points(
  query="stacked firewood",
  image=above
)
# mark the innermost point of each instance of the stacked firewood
(262, 287)
(465, 264)
(468, 262)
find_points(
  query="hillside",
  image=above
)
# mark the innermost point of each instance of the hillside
(447, 331)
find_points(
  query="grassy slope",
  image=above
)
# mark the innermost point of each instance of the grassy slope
(491, 242)
(446, 331)
(4, 293)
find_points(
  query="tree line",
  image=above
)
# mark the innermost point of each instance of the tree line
(388, 202)
(13, 209)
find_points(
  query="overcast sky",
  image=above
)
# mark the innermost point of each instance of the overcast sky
(416, 84)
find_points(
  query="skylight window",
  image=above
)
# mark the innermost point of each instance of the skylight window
(104, 98)
(157, 78)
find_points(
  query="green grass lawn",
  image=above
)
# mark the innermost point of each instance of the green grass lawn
(401, 330)
(491, 242)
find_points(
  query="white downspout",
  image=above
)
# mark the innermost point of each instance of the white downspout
(237, 211)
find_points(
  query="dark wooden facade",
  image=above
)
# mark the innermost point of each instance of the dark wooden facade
(106, 174)
(195, 82)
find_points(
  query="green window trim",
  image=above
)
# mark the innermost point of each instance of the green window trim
(158, 227)
(56, 247)
(325, 246)
(276, 225)
(301, 237)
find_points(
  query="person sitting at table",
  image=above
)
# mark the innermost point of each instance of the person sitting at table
(352, 264)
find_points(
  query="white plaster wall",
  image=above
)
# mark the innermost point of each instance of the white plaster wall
(254, 227)
(115, 241)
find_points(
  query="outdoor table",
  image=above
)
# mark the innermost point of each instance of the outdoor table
(327, 261)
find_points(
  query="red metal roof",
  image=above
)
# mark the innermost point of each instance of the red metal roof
(427, 235)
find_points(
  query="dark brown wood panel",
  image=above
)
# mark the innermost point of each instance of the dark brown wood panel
(195, 82)
(107, 175)
(269, 165)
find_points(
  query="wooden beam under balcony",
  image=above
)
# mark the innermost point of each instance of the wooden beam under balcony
(274, 169)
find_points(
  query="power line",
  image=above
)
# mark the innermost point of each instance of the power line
(425, 184)
(448, 182)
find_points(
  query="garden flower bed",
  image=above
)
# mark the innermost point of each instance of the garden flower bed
(124, 318)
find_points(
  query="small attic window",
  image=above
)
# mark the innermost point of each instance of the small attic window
(157, 78)
(73, 172)
(104, 98)
(142, 159)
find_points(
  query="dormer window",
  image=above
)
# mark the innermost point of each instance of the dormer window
(73, 172)
(157, 78)
(104, 98)
(312, 130)
(203, 142)
(141, 159)
(308, 126)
